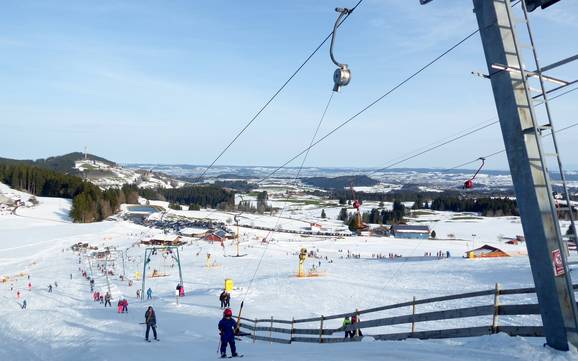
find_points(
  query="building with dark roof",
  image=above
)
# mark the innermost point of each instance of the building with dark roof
(410, 231)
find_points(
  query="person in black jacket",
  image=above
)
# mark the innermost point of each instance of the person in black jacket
(222, 298)
(151, 322)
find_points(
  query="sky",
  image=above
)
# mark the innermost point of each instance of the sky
(173, 81)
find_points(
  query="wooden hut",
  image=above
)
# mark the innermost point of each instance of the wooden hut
(486, 251)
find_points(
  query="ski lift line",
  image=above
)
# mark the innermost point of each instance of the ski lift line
(451, 140)
(442, 140)
(373, 103)
(559, 95)
(295, 180)
(433, 148)
(329, 36)
(504, 150)
(462, 136)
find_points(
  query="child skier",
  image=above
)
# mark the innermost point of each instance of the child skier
(227, 329)
(347, 322)
(151, 322)
(149, 294)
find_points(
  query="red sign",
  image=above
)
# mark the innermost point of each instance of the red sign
(558, 263)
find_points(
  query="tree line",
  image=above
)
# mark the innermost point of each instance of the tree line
(488, 207)
(196, 197)
(89, 202)
(261, 207)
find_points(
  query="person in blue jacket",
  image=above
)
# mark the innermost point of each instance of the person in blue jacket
(227, 329)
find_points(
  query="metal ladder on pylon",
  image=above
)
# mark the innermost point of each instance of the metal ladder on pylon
(569, 241)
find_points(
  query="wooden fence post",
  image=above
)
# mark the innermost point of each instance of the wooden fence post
(254, 330)
(413, 314)
(356, 321)
(292, 328)
(496, 309)
(271, 331)
(321, 331)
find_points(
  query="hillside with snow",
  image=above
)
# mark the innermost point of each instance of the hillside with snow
(111, 175)
(66, 324)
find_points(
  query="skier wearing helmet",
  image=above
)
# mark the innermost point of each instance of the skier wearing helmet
(227, 328)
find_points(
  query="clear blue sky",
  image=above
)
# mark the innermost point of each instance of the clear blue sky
(171, 81)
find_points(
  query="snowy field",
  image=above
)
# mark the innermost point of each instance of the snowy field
(67, 325)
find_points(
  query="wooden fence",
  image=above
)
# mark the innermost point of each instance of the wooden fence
(264, 328)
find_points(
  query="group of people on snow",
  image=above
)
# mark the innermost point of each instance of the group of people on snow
(122, 305)
(351, 321)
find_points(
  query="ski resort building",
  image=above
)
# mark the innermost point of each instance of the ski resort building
(486, 251)
(410, 231)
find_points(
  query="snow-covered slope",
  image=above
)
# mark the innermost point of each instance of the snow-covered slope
(67, 325)
(106, 176)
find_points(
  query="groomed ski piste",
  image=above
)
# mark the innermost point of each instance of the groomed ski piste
(68, 325)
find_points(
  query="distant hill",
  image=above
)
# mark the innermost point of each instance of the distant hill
(340, 182)
(62, 163)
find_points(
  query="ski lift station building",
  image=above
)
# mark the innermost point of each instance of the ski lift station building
(410, 231)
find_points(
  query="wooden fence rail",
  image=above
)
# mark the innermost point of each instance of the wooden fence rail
(317, 335)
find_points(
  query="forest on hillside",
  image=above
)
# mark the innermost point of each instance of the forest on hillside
(89, 202)
(61, 163)
(341, 182)
(208, 196)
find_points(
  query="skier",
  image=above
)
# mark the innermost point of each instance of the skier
(227, 299)
(347, 322)
(119, 306)
(149, 294)
(227, 328)
(29, 285)
(49, 288)
(23, 305)
(151, 322)
(107, 299)
(55, 284)
(355, 319)
(124, 305)
(222, 298)
(138, 294)
(17, 295)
